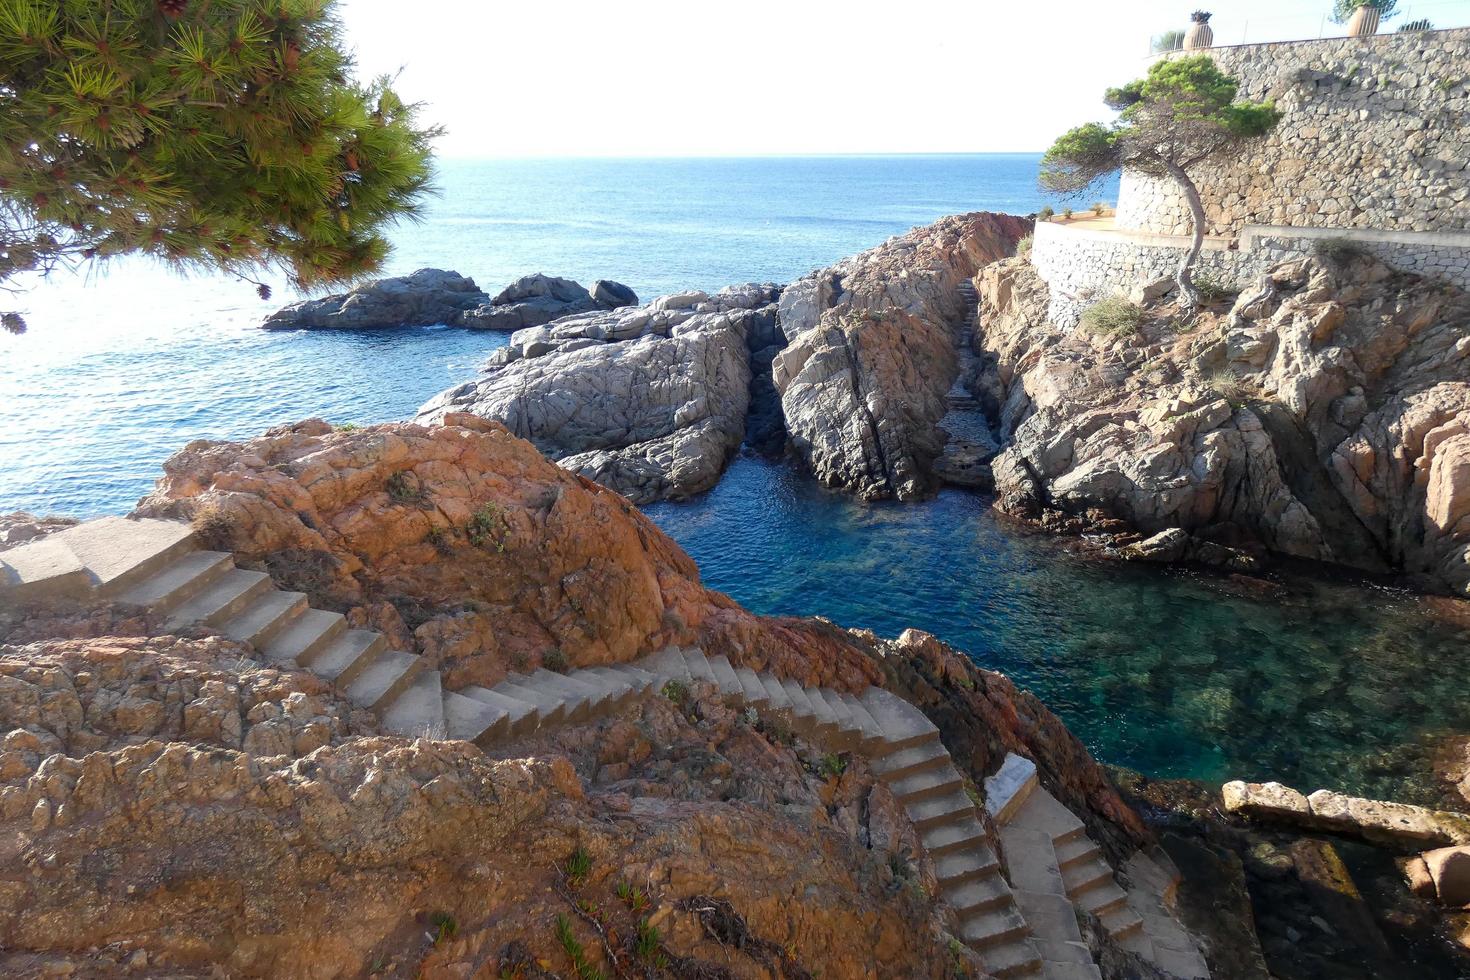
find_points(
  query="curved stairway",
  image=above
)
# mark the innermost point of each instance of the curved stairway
(1018, 928)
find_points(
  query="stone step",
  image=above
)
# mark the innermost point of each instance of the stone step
(1102, 896)
(755, 692)
(122, 552)
(1043, 814)
(982, 930)
(668, 664)
(550, 709)
(1079, 878)
(1014, 958)
(698, 664)
(725, 676)
(1139, 944)
(903, 725)
(627, 686)
(837, 733)
(419, 711)
(1010, 787)
(617, 691)
(1185, 964)
(977, 894)
(517, 717)
(939, 781)
(780, 700)
(896, 765)
(952, 837)
(178, 581)
(801, 705)
(873, 742)
(1075, 850)
(473, 720)
(265, 617)
(383, 680)
(305, 636)
(346, 656)
(582, 699)
(937, 810)
(221, 599)
(642, 681)
(958, 867)
(1120, 921)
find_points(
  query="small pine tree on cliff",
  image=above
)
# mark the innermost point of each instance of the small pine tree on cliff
(1184, 113)
(217, 134)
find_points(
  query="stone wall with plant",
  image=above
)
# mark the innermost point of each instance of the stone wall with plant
(1375, 133)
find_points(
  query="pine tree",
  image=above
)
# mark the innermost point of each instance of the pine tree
(214, 134)
(1183, 114)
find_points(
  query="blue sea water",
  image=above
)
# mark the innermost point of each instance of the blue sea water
(1328, 683)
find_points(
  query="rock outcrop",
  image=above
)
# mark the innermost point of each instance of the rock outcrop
(1326, 416)
(871, 354)
(650, 401)
(424, 298)
(536, 299)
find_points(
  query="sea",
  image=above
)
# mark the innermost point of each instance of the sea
(1320, 680)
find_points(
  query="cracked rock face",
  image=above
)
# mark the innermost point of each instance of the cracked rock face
(1326, 416)
(871, 354)
(650, 401)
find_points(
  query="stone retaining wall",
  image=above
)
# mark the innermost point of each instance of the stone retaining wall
(1082, 265)
(1375, 134)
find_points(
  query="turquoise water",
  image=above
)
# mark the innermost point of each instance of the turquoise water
(1328, 684)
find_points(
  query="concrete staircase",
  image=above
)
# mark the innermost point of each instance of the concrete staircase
(960, 398)
(1018, 928)
(1055, 869)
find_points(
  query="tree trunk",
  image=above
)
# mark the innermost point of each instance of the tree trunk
(1188, 295)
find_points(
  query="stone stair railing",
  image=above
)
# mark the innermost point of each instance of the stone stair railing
(155, 565)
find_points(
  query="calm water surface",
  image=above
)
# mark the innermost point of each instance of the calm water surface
(1330, 685)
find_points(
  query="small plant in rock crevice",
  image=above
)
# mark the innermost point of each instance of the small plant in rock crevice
(487, 526)
(214, 527)
(439, 538)
(831, 766)
(404, 489)
(1212, 290)
(578, 865)
(444, 926)
(1099, 208)
(555, 661)
(575, 951)
(1235, 390)
(1023, 247)
(675, 691)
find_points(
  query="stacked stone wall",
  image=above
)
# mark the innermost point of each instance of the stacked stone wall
(1083, 266)
(1375, 134)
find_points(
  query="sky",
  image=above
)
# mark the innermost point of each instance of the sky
(715, 78)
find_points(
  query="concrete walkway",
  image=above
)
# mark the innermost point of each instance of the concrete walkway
(1024, 927)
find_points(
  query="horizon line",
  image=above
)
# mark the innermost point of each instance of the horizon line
(817, 155)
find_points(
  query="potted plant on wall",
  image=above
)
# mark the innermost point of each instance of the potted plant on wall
(1201, 34)
(1363, 16)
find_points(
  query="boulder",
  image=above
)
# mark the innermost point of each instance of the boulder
(871, 354)
(613, 294)
(528, 302)
(650, 401)
(1265, 800)
(1449, 869)
(1165, 547)
(424, 298)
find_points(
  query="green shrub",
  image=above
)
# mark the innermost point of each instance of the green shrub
(1067, 213)
(404, 489)
(1237, 391)
(1045, 214)
(1113, 317)
(487, 526)
(575, 951)
(1338, 250)
(348, 427)
(1023, 247)
(444, 926)
(675, 691)
(832, 765)
(1211, 289)
(1098, 208)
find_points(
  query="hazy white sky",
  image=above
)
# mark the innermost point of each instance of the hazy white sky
(705, 77)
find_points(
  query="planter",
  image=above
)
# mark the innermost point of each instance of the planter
(1364, 22)
(1199, 35)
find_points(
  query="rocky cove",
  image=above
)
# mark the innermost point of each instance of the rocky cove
(457, 542)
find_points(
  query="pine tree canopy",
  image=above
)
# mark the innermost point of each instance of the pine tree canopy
(215, 134)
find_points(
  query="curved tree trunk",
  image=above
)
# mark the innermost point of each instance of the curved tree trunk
(1188, 295)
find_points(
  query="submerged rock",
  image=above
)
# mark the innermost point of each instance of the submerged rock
(424, 298)
(871, 354)
(650, 401)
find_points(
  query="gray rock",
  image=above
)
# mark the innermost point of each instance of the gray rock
(1166, 546)
(425, 298)
(650, 401)
(613, 295)
(530, 301)
(864, 380)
